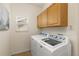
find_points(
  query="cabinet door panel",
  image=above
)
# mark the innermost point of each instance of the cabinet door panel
(53, 14)
(39, 22)
(64, 14)
(44, 19)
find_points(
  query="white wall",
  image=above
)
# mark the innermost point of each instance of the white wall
(4, 38)
(77, 12)
(72, 29)
(73, 20)
(20, 41)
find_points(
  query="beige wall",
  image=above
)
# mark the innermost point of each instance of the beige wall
(4, 38)
(20, 41)
(72, 29)
(73, 16)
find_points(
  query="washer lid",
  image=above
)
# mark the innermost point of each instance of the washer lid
(51, 41)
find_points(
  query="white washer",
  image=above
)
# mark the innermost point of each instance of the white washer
(42, 48)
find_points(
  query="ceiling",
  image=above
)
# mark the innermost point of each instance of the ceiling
(38, 4)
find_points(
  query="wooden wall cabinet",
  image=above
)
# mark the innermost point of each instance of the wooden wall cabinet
(55, 15)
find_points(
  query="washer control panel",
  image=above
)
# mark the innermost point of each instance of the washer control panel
(57, 37)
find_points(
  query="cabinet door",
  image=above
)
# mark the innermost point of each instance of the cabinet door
(64, 14)
(42, 19)
(53, 15)
(39, 22)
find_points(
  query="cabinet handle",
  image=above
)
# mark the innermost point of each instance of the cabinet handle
(41, 46)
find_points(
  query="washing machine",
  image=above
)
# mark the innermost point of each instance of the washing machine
(54, 45)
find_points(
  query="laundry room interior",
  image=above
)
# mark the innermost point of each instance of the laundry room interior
(39, 29)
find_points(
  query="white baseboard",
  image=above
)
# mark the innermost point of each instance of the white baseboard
(20, 51)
